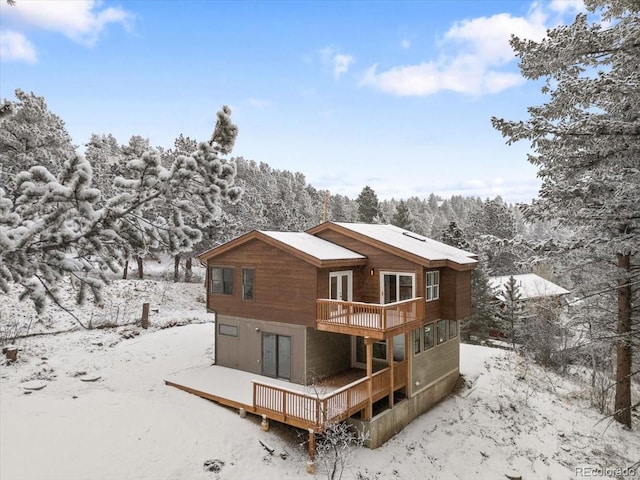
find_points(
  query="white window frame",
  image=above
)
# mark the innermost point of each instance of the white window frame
(397, 275)
(338, 275)
(432, 285)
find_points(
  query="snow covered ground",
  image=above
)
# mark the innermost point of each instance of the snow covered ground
(103, 412)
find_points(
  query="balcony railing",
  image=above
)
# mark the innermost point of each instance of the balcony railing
(367, 319)
(310, 410)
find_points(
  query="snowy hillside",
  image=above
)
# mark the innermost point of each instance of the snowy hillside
(103, 412)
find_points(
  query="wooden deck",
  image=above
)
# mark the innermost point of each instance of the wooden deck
(308, 407)
(372, 320)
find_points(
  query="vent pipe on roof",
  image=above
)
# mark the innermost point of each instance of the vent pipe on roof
(408, 234)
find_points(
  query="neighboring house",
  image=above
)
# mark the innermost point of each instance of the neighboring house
(376, 302)
(530, 287)
(536, 296)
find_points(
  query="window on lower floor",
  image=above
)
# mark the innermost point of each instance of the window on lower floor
(379, 350)
(428, 336)
(441, 331)
(248, 275)
(416, 341)
(222, 280)
(228, 330)
(432, 285)
(453, 328)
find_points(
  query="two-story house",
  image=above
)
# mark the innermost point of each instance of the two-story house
(373, 303)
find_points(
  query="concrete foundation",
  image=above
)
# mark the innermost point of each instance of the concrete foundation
(386, 424)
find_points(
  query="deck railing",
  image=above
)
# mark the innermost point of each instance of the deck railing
(314, 409)
(368, 316)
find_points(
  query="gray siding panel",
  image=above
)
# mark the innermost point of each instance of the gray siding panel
(244, 352)
(435, 363)
(327, 354)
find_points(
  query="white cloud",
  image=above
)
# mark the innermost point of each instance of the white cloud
(339, 63)
(515, 189)
(14, 46)
(475, 58)
(259, 102)
(80, 20)
(405, 44)
(488, 37)
(567, 6)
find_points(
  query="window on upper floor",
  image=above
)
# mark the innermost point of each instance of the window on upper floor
(222, 280)
(248, 275)
(432, 285)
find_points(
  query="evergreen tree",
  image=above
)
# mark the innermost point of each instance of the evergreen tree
(60, 226)
(107, 162)
(368, 205)
(586, 145)
(493, 217)
(511, 311)
(453, 236)
(402, 216)
(31, 136)
(483, 308)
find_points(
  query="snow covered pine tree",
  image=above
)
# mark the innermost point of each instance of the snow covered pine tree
(59, 225)
(586, 141)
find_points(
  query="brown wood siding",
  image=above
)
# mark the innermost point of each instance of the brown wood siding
(366, 287)
(285, 287)
(455, 294)
(432, 310)
(447, 293)
(463, 295)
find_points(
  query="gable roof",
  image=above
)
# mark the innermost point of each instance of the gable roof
(314, 246)
(314, 250)
(404, 243)
(530, 286)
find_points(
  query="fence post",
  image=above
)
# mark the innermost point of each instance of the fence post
(144, 321)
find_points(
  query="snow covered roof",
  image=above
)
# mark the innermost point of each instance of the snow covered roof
(530, 286)
(314, 246)
(314, 250)
(412, 243)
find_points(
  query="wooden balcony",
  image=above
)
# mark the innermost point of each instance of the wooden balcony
(368, 319)
(315, 410)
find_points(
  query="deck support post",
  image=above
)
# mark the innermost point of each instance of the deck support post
(408, 343)
(312, 444)
(368, 342)
(311, 464)
(264, 425)
(391, 361)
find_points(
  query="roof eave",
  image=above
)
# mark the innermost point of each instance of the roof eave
(425, 262)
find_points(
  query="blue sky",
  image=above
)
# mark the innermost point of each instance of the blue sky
(397, 95)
